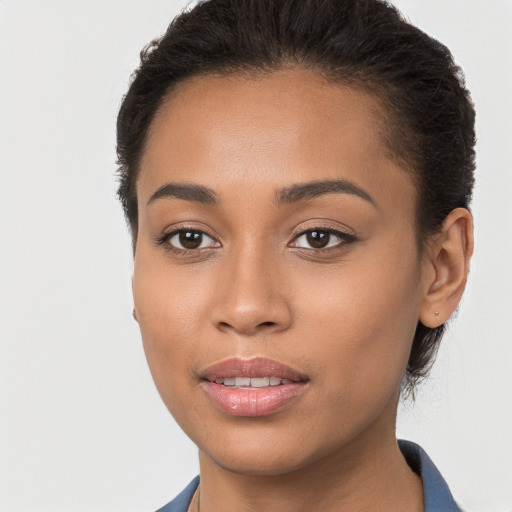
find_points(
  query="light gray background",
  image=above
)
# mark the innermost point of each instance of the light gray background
(81, 425)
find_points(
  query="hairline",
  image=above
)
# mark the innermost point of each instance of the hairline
(361, 80)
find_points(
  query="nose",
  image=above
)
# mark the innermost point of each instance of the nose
(252, 297)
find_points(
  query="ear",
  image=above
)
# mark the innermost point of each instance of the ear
(447, 268)
(134, 312)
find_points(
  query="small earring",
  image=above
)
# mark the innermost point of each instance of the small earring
(436, 313)
(134, 314)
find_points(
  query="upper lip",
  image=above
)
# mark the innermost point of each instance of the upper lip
(253, 367)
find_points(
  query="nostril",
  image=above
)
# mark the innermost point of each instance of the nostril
(247, 328)
(248, 318)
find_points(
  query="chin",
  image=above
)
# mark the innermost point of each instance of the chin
(265, 451)
(259, 462)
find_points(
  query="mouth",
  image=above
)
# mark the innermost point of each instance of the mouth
(252, 382)
(252, 387)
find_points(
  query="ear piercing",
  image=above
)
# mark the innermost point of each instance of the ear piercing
(436, 313)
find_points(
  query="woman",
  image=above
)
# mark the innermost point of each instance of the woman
(296, 175)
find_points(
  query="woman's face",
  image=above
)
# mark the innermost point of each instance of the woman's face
(276, 246)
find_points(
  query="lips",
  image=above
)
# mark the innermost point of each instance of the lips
(252, 387)
(252, 382)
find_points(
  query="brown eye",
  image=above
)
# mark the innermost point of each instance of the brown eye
(188, 239)
(318, 239)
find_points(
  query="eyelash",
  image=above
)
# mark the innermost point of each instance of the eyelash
(343, 239)
(164, 240)
(342, 236)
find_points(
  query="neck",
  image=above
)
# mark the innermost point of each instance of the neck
(371, 475)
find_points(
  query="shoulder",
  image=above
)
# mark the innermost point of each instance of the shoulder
(437, 495)
(182, 501)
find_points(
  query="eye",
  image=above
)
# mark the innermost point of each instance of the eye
(189, 239)
(320, 239)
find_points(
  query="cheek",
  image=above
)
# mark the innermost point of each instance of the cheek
(169, 299)
(361, 319)
(171, 307)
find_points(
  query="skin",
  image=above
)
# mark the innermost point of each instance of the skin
(344, 315)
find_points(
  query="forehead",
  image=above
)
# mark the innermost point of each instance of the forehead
(285, 127)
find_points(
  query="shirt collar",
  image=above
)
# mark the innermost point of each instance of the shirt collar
(436, 494)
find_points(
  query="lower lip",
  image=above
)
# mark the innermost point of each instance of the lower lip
(253, 401)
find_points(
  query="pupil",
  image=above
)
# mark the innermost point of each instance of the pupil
(318, 239)
(190, 239)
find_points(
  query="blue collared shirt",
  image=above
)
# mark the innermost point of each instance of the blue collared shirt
(436, 494)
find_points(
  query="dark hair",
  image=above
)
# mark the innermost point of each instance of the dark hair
(364, 43)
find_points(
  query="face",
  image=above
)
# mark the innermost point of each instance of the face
(277, 278)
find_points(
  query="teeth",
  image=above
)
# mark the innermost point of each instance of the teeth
(274, 381)
(262, 382)
(252, 382)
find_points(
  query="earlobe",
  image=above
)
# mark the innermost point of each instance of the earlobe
(134, 312)
(449, 257)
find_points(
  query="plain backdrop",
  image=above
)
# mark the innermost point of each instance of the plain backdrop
(81, 425)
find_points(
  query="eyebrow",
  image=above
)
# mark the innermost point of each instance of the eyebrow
(287, 195)
(312, 189)
(187, 192)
